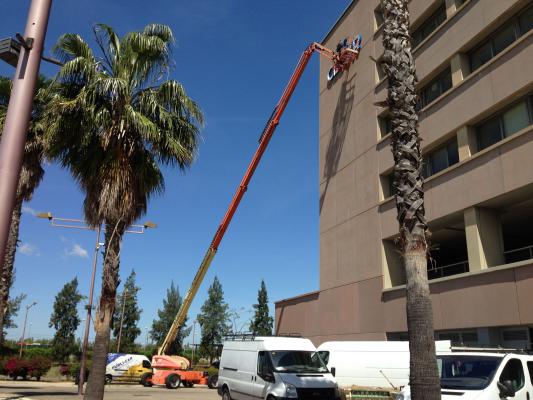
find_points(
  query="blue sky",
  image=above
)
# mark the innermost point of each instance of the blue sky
(234, 58)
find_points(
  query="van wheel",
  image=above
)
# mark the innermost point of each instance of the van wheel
(146, 379)
(108, 379)
(225, 394)
(188, 384)
(173, 381)
(212, 381)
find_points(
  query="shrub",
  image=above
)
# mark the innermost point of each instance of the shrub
(35, 367)
(39, 366)
(36, 352)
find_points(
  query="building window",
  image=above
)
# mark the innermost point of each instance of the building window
(379, 18)
(459, 338)
(429, 25)
(440, 159)
(385, 125)
(504, 124)
(440, 84)
(502, 38)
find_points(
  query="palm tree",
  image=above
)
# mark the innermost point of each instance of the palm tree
(113, 121)
(31, 175)
(408, 184)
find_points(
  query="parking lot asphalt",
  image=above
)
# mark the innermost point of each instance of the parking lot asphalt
(32, 390)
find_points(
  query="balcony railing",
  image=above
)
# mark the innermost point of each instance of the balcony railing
(521, 254)
(435, 272)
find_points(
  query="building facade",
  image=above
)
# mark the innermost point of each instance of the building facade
(474, 61)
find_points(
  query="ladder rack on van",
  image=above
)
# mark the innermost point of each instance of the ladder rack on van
(489, 350)
(252, 337)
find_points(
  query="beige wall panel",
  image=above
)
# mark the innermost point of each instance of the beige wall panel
(327, 204)
(328, 307)
(418, 8)
(366, 130)
(384, 154)
(328, 259)
(359, 250)
(464, 186)
(298, 315)
(394, 311)
(322, 148)
(480, 300)
(499, 81)
(366, 182)
(517, 161)
(388, 222)
(345, 193)
(524, 288)
(318, 340)
(371, 310)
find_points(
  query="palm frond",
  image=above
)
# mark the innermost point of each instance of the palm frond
(109, 44)
(70, 46)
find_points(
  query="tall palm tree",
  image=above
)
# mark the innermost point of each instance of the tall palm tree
(408, 184)
(113, 121)
(31, 175)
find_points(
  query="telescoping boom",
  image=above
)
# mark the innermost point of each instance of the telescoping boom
(344, 55)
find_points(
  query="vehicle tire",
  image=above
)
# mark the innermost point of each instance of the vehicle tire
(173, 381)
(108, 379)
(146, 379)
(225, 394)
(188, 384)
(212, 381)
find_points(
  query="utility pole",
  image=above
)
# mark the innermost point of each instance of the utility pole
(124, 295)
(19, 112)
(85, 344)
(24, 328)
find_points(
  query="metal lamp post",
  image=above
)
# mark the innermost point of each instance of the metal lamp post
(19, 111)
(73, 223)
(24, 328)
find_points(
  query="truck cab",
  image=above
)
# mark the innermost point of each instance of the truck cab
(483, 376)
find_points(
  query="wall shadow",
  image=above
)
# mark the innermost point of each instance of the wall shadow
(339, 128)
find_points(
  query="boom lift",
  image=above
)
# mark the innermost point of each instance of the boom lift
(171, 370)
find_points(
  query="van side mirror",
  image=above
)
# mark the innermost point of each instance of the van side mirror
(332, 370)
(506, 389)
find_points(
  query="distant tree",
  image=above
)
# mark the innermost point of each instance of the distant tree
(127, 304)
(65, 320)
(213, 320)
(13, 307)
(161, 326)
(262, 323)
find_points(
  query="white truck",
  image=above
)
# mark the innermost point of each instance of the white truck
(483, 376)
(274, 368)
(379, 364)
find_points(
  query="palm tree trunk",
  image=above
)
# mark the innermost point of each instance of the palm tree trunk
(104, 317)
(408, 184)
(6, 276)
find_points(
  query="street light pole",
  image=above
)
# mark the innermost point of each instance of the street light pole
(19, 112)
(24, 328)
(88, 318)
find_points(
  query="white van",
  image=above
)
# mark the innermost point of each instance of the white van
(274, 368)
(483, 376)
(381, 364)
(126, 367)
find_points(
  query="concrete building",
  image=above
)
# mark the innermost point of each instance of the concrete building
(474, 61)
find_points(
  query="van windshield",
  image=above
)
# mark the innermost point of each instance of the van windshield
(297, 361)
(465, 372)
